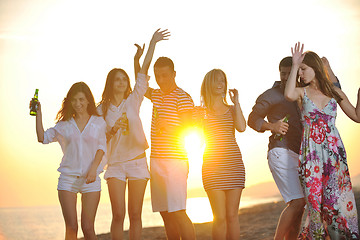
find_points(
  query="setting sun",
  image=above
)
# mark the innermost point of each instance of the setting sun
(51, 44)
(194, 145)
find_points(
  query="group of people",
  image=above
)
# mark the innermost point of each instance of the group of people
(306, 155)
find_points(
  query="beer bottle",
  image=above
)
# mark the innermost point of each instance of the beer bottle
(34, 101)
(156, 116)
(278, 135)
(125, 131)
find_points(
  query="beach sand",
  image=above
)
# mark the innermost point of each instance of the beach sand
(256, 223)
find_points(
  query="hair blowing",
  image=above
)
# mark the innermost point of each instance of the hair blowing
(67, 112)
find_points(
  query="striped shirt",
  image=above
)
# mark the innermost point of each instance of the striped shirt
(169, 145)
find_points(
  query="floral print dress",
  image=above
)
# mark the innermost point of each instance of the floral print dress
(324, 175)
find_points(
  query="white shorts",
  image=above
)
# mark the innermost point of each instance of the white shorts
(132, 170)
(283, 164)
(77, 184)
(168, 184)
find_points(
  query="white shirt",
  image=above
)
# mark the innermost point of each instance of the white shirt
(79, 148)
(123, 148)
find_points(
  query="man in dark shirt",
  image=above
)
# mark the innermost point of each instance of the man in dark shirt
(284, 146)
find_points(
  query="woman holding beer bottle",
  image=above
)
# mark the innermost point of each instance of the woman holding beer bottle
(126, 141)
(80, 132)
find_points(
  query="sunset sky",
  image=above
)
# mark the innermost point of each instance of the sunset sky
(52, 44)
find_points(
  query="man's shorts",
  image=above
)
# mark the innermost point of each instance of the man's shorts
(168, 184)
(283, 164)
(77, 184)
(132, 170)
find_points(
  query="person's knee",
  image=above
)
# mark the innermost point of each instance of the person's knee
(118, 216)
(219, 218)
(168, 218)
(298, 204)
(87, 226)
(232, 217)
(135, 215)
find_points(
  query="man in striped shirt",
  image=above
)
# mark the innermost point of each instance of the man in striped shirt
(172, 111)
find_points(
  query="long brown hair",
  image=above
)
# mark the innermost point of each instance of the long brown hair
(108, 92)
(312, 60)
(206, 88)
(67, 112)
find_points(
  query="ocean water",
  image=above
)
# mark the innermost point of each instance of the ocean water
(40, 223)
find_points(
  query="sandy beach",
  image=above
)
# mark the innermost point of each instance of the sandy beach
(256, 223)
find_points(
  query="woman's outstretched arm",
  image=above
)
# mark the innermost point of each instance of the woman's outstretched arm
(39, 124)
(352, 112)
(292, 93)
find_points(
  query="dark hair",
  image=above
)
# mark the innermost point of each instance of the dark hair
(312, 60)
(66, 112)
(108, 92)
(164, 62)
(285, 62)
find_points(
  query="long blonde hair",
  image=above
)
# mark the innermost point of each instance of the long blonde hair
(207, 86)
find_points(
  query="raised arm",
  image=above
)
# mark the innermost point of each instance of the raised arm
(352, 112)
(239, 119)
(157, 37)
(293, 93)
(39, 125)
(137, 56)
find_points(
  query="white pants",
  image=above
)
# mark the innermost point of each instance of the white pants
(283, 164)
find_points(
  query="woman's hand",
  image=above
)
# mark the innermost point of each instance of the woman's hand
(160, 35)
(139, 51)
(234, 96)
(297, 54)
(38, 110)
(91, 176)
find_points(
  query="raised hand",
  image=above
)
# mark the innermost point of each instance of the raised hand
(234, 95)
(297, 54)
(160, 35)
(139, 51)
(157, 36)
(38, 110)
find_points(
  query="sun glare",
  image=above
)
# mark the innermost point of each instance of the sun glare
(199, 210)
(194, 145)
